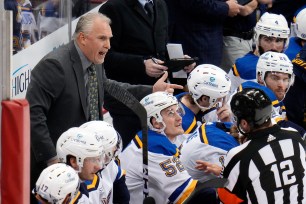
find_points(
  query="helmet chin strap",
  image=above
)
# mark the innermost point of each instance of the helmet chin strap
(243, 132)
(203, 109)
(286, 90)
(161, 130)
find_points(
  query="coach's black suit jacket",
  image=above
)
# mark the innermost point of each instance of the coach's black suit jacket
(57, 99)
(135, 38)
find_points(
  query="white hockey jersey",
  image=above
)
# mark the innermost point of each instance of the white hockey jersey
(100, 189)
(209, 143)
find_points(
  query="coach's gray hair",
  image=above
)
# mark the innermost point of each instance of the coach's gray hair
(85, 23)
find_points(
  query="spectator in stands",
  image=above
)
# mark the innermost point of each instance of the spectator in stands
(238, 32)
(58, 94)
(15, 7)
(29, 27)
(199, 30)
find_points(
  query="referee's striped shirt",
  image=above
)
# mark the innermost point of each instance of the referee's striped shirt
(269, 168)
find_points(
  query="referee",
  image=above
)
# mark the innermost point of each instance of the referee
(270, 166)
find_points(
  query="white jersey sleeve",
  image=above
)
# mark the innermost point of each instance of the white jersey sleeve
(101, 188)
(208, 143)
(235, 81)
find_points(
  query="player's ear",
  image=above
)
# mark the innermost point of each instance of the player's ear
(245, 125)
(259, 80)
(156, 124)
(73, 163)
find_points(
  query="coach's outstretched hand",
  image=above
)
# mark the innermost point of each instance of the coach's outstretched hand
(161, 85)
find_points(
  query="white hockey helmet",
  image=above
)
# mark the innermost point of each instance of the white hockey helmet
(274, 62)
(56, 182)
(80, 143)
(208, 80)
(300, 24)
(156, 102)
(272, 25)
(111, 139)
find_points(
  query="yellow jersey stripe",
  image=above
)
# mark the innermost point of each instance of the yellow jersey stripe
(138, 141)
(240, 88)
(277, 119)
(93, 184)
(204, 137)
(194, 122)
(235, 70)
(274, 102)
(75, 198)
(188, 191)
(177, 153)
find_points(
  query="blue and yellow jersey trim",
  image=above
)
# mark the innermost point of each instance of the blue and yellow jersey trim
(277, 119)
(235, 71)
(92, 185)
(76, 198)
(157, 143)
(245, 67)
(275, 103)
(137, 141)
(294, 48)
(239, 89)
(192, 126)
(189, 120)
(121, 172)
(283, 108)
(203, 136)
(183, 192)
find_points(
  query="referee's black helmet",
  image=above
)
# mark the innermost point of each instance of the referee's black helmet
(252, 105)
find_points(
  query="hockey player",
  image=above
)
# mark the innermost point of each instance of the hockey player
(208, 85)
(112, 178)
(168, 180)
(60, 184)
(296, 105)
(270, 166)
(275, 71)
(271, 34)
(297, 42)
